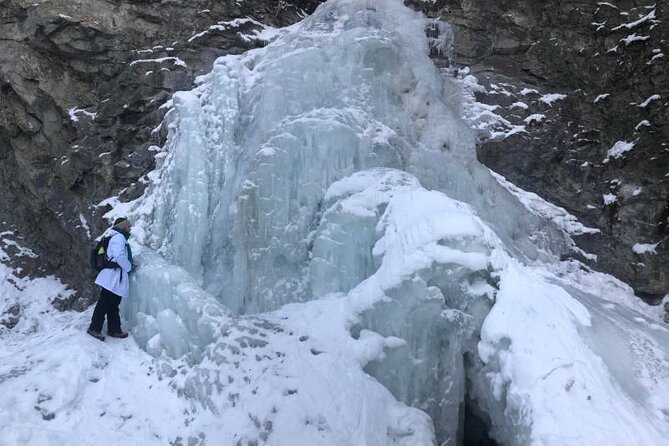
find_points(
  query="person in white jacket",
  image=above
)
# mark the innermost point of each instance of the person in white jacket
(114, 283)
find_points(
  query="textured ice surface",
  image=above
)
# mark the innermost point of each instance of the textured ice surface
(254, 148)
(324, 262)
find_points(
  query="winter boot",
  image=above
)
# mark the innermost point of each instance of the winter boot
(97, 335)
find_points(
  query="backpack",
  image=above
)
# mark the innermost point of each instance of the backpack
(98, 257)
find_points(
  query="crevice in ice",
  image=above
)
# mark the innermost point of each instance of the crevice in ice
(476, 425)
(438, 312)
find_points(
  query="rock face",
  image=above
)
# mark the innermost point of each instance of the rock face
(81, 89)
(82, 85)
(10, 317)
(602, 150)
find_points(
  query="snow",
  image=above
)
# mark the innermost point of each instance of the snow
(655, 97)
(600, 25)
(482, 117)
(93, 395)
(19, 250)
(84, 225)
(33, 296)
(607, 4)
(548, 99)
(323, 261)
(535, 204)
(526, 91)
(72, 112)
(643, 123)
(645, 248)
(609, 199)
(618, 149)
(497, 89)
(567, 360)
(634, 38)
(265, 33)
(85, 398)
(519, 104)
(655, 57)
(559, 216)
(174, 60)
(535, 118)
(600, 97)
(648, 17)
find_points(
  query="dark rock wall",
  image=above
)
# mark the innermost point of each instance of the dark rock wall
(78, 111)
(608, 66)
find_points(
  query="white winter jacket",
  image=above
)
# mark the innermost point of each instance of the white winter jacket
(116, 280)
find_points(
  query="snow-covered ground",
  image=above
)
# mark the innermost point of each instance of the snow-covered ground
(322, 261)
(270, 379)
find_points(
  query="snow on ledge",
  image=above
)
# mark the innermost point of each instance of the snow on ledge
(173, 59)
(609, 199)
(75, 110)
(649, 16)
(600, 97)
(654, 58)
(535, 118)
(526, 91)
(548, 99)
(481, 117)
(634, 38)
(645, 248)
(607, 4)
(265, 33)
(644, 104)
(21, 251)
(618, 149)
(537, 205)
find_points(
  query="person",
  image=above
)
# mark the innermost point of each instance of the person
(114, 283)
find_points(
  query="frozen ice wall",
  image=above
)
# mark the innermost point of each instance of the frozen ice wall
(254, 148)
(329, 178)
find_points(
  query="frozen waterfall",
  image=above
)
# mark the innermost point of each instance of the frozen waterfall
(318, 216)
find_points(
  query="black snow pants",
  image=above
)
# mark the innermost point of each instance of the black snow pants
(107, 306)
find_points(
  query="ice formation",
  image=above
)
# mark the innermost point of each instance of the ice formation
(324, 262)
(297, 174)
